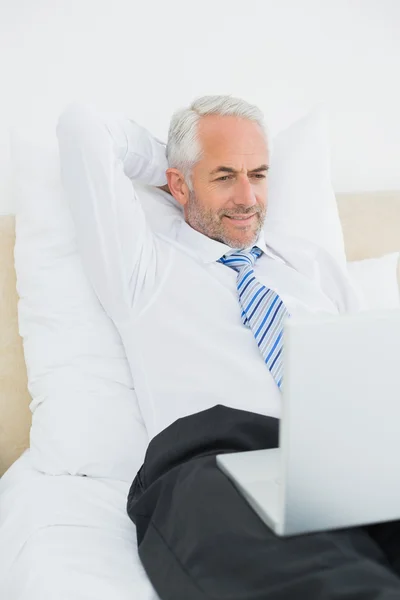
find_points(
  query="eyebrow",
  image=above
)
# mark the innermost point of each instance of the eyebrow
(223, 169)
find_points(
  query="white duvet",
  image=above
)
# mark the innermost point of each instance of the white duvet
(67, 538)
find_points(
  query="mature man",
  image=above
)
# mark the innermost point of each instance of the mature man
(200, 307)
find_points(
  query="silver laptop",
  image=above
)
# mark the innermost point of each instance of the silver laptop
(338, 461)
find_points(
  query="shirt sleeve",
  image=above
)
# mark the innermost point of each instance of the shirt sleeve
(101, 153)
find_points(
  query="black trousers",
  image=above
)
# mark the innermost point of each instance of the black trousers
(200, 540)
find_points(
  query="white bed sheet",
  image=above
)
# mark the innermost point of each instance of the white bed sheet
(67, 538)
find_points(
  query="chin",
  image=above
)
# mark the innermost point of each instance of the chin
(241, 241)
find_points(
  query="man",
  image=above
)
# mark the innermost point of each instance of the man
(200, 307)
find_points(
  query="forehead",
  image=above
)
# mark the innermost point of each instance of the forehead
(231, 138)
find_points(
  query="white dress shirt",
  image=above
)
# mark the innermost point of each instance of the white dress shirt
(175, 307)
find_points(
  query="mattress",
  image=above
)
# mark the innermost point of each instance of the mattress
(67, 538)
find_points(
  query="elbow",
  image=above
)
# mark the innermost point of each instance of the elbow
(74, 121)
(82, 127)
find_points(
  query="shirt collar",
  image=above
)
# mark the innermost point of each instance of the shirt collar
(207, 249)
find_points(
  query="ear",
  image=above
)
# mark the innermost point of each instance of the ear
(178, 186)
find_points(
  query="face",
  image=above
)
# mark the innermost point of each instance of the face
(229, 198)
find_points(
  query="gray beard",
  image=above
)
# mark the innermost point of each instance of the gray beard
(210, 224)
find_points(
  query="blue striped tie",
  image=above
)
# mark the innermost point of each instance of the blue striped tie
(262, 309)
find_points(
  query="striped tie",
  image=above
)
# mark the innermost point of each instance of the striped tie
(262, 309)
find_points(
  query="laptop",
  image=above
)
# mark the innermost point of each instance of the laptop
(338, 461)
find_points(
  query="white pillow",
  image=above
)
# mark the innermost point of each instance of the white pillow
(301, 200)
(86, 418)
(376, 280)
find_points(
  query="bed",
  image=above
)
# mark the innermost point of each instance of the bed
(68, 537)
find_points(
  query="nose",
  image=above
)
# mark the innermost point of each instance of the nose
(244, 192)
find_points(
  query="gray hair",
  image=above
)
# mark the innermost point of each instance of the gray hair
(183, 148)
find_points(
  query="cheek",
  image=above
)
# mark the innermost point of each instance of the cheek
(220, 196)
(213, 198)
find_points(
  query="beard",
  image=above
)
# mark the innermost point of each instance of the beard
(212, 224)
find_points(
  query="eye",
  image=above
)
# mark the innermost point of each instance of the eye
(224, 178)
(259, 175)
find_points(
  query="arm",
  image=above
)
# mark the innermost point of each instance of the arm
(100, 152)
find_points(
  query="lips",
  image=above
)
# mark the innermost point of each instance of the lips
(240, 218)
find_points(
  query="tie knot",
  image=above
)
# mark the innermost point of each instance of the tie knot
(241, 258)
